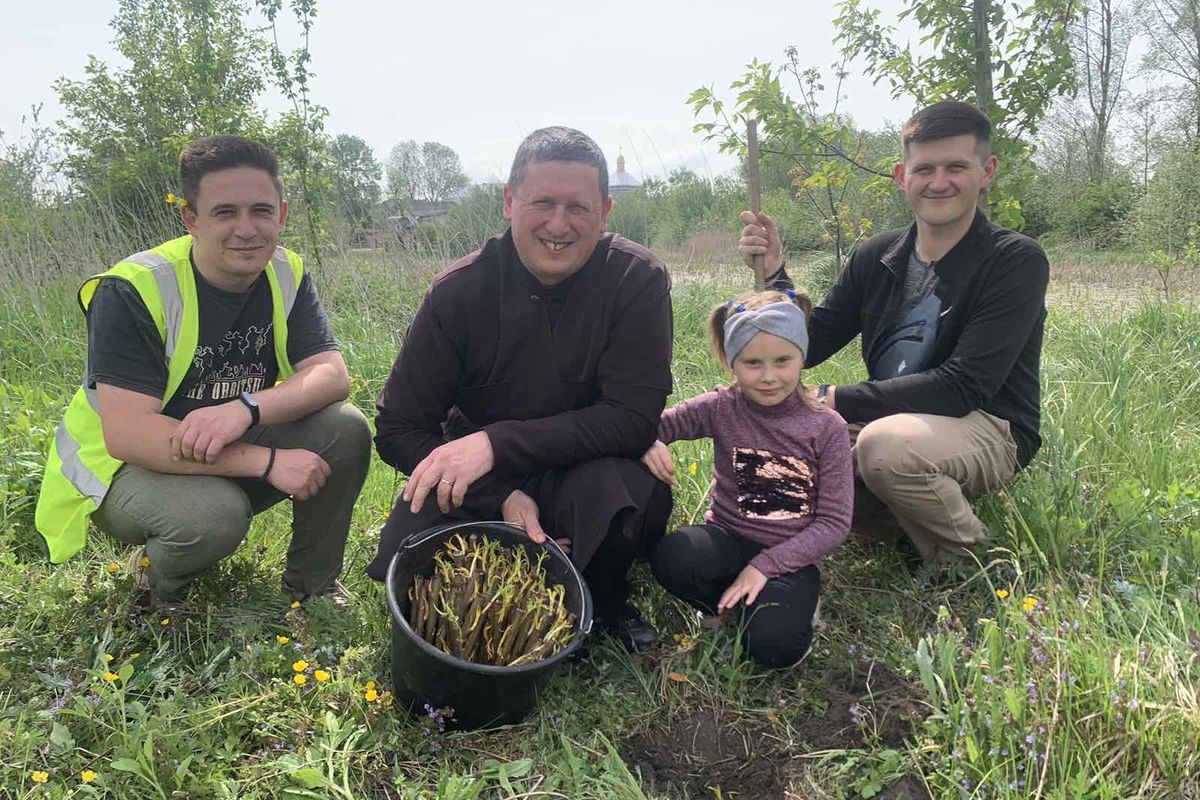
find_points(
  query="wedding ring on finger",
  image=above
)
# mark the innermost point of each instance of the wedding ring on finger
(448, 483)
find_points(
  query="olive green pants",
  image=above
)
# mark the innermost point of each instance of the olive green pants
(190, 522)
(915, 473)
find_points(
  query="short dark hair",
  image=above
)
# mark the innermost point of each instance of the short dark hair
(946, 119)
(214, 153)
(558, 143)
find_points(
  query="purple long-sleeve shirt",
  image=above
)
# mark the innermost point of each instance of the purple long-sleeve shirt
(783, 475)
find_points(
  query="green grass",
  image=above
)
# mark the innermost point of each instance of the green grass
(1091, 693)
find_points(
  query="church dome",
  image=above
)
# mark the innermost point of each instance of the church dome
(621, 181)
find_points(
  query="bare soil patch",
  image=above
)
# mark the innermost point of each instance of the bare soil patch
(706, 750)
(742, 755)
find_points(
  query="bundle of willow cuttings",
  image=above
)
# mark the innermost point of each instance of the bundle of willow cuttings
(490, 604)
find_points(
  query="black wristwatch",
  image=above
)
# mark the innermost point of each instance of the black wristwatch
(249, 402)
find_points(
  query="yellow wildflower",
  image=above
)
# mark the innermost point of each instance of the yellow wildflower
(1029, 604)
(88, 776)
(386, 698)
(300, 680)
(693, 468)
(300, 665)
(1002, 593)
(282, 639)
(182, 203)
(295, 604)
(321, 676)
(164, 621)
(108, 657)
(111, 676)
(144, 562)
(370, 684)
(371, 695)
(134, 656)
(111, 568)
(40, 776)
(170, 199)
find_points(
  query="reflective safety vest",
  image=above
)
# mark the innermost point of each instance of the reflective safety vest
(79, 469)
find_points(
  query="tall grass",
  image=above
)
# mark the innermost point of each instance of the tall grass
(1081, 682)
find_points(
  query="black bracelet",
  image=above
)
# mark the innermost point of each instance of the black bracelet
(774, 276)
(270, 463)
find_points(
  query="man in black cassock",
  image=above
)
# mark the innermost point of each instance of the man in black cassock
(532, 379)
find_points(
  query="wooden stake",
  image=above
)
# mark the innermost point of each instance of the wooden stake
(760, 266)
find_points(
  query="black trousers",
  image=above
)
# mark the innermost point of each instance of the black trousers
(698, 563)
(612, 510)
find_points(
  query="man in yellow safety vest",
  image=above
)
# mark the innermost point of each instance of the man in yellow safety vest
(213, 390)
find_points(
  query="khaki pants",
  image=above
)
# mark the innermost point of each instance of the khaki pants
(190, 522)
(914, 474)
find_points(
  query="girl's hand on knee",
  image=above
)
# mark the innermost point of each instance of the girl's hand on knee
(746, 585)
(658, 460)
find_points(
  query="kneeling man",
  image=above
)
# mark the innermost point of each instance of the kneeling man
(214, 389)
(951, 311)
(532, 379)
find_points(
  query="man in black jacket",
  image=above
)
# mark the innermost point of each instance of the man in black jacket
(951, 311)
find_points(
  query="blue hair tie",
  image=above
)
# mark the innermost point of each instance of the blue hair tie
(791, 293)
(740, 308)
(729, 304)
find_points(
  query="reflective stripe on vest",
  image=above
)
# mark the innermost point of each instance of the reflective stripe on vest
(168, 292)
(74, 469)
(79, 468)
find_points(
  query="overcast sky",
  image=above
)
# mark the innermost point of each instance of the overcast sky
(478, 76)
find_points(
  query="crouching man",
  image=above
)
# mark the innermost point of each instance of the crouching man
(532, 379)
(214, 389)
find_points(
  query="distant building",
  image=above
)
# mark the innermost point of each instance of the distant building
(621, 181)
(403, 219)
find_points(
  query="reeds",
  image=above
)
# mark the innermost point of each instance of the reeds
(490, 604)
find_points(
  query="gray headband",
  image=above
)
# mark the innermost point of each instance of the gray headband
(783, 319)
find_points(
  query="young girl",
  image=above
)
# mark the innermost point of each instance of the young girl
(783, 487)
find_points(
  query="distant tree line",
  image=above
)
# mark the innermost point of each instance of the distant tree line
(1097, 151)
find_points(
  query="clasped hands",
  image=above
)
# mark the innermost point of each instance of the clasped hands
(203, 434)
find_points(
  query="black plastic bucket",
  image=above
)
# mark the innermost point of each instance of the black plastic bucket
(481, 695)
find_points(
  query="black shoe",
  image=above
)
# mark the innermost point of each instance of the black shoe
(909, 555)
(632, 631)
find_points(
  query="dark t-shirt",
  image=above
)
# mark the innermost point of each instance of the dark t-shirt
(235, 351)
(905, 345)
(919, 282)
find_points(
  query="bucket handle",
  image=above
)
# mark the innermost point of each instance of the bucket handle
(428, 534)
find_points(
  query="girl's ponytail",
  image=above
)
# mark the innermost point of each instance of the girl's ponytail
(716, 331)
(802, 300)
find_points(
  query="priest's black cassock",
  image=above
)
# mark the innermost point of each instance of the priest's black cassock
(568, 382)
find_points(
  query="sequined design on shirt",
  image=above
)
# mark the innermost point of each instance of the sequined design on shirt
(773, 486)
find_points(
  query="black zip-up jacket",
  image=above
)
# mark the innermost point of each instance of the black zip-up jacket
(987, 351)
